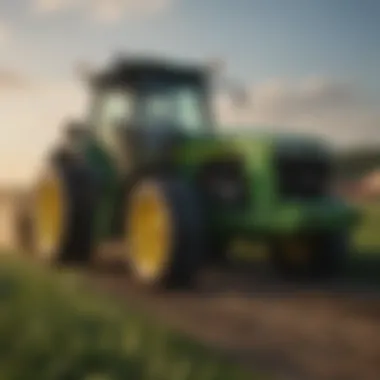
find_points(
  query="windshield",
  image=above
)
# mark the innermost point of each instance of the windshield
(177, 105)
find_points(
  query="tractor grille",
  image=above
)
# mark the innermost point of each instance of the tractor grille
(223, 183)
(302, 177)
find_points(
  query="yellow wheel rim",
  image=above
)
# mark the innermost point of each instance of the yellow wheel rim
(149, 232)
(48, 216)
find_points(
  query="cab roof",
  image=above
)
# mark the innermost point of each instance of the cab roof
(134, 70)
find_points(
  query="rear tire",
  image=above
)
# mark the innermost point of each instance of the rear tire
(176, 262)
(78, 197)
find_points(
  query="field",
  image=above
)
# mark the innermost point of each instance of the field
(54, 329)
(95, 325)
(367, 236)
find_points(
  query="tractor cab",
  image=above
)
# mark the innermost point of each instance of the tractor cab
(153, 175)
(142, 105)
(154, 93)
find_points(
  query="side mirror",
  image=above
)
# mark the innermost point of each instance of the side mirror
(237, 93)
(239, 96)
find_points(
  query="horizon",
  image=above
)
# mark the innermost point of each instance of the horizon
(309, 67)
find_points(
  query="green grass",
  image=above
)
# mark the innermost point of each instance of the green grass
(54, 329)
(367, 235)
(364, 267)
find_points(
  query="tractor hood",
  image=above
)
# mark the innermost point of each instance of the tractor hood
(253, 145)
(290, 142)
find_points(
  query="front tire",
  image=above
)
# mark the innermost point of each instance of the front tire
(310, 257)
(164, 234)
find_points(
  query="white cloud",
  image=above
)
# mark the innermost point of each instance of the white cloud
(48, 6)
(337, 111)
(105, 11)
(11, 80)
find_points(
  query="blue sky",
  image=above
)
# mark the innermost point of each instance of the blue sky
(259, 38)
(313, 64)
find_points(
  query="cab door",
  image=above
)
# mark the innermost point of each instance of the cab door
(113, 112)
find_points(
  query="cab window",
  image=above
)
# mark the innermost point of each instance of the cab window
(116, 110)
(179, 105)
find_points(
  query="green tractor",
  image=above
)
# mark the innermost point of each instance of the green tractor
(150, 169)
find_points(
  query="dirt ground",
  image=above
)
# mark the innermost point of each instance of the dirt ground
(293, 332)
(307, 333)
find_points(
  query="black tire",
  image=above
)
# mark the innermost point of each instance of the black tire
(187, 238)
(326, 258)
(76, 243)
